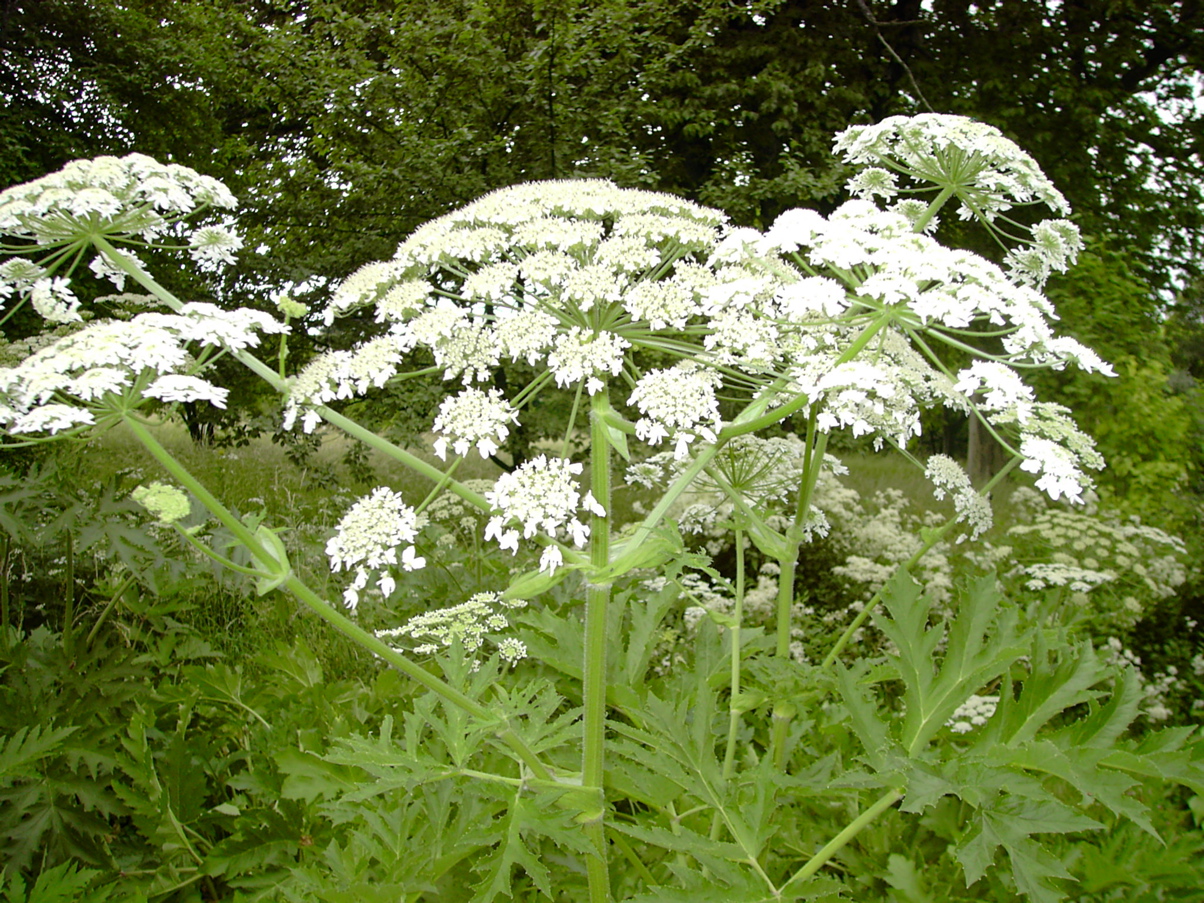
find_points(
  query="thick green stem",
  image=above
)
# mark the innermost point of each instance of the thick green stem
(817, 444)
(69, 600)
(594, 669)
(841, 840)
(325, 610)
(733, 713)
(937, 203)
(733, 724)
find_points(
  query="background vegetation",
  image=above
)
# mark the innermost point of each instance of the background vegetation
(158, 725)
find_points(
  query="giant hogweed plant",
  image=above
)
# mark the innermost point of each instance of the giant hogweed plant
(576, 774)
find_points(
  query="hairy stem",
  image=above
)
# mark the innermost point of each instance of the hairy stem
(841, 840)
(817, 444)
(594, 669)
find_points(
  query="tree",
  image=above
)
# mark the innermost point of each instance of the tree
(344, 124)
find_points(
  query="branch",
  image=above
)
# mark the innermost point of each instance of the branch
(868, 14)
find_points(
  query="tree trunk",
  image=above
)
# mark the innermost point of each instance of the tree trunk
(985, 457)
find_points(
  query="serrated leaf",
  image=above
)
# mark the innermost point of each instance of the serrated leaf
(1009, 825)
(309, 777)
(1162, 755)
(924, 788)
(263, 840)
(523, 816)
(981, 643)
(644, 614)
(1057, 681)
(683, 840)
(1106, 723)
(63, 884)
(30, 745)
(871, 730)
(1079, 767)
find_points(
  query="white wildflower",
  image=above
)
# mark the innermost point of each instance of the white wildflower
(368, 538)
(974, 712)
(54, 300)
(540, 495)
(178, 387)
(678, 403)
(470, 624)
(972, 509)
(579, 356)
(213, 247)
(474, 417)
(988, 171)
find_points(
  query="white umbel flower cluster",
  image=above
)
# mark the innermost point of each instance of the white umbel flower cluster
(133, 195)
(934, 294)
(470, 624)
(63, 384)
(947, 476)
(593, 284)
(577, 277)
(343, 374)
(991, 171)
(677, 401)
(126, 200)
(474, 417)
(368, 539)
(542, 495)
(974, 712)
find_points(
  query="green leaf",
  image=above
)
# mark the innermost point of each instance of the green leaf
(982, 644)
(1163, 755)
(30, 745)
(525, 816)
(871, 730)
(1058, 680)
(532, 584)
(271, 577)
(65, 883)
(1009, 825)
(1080, 768)
(903, 876)
(663, 545)
(309, 777)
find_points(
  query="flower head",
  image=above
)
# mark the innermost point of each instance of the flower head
(131, 199)
(989, 171)
(470, 624)
(474, 417)
(368, 539)
(540, 495)
(947, 476)
(64, 382)
(167, 503)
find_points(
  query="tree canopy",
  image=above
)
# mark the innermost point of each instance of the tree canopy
(343, 124)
